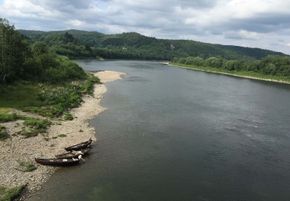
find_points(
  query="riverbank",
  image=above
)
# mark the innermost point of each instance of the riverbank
(240, 74)
(58, 136)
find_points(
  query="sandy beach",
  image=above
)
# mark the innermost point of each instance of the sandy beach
(18, 148)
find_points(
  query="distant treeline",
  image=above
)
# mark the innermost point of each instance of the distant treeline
(78, 44)
(21, 60)
(270, 65)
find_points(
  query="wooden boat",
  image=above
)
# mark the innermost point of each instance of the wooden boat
(80, 146)
(58, 162)
(70, 155)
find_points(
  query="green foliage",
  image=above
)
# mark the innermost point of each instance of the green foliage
(20, 95)
(61, 98)
(6, 117)
(34, 127)
(13, 51)
(10, 194)
(278, 66)
(45, 66)
(62, 135)
(87, 86)
(26, 166)
(67, 116)
(37, 62)
(136, 46)
(50, 100)
(40, 124)
(3, 133)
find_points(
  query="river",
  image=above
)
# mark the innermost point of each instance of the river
(172, 134)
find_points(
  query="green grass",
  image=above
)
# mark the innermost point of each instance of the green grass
(49, 100)
(244, 74)
(3, 133)
(10, 194)
(34, 127)
(37, 123)
(20, 95)
(88, 85)
(8, 117)
(62, 135)
(68, 116)
(25, 166)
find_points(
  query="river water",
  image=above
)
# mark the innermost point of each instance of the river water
(172, 134)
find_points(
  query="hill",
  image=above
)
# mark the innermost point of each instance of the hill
(76, 43)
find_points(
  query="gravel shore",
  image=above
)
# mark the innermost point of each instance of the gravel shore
(18, 148)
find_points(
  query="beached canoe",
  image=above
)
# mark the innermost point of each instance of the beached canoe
(58, 162)
(80, 146)
(70, 155)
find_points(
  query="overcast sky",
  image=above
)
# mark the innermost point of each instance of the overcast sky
(253, 23)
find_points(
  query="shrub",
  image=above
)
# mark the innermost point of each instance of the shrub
(29, 132)
(88, 85)
(6, 117)
(3, 133)
(9, 194)
(34, 127)
(67, 116)
(25, 166)
(38, 124)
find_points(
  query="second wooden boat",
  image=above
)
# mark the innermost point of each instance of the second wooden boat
(80, 146)
(70, 155)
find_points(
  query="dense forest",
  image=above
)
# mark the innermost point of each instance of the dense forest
(77, 44)
(273, 65)
(21, 60)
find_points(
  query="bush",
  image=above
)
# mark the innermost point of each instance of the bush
(3, 133)
(88, 85)
(67, 116)
(6, 117)
(37, 123)
(34, 127)
(25, 166)
(9, 194)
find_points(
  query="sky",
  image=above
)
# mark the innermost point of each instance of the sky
(251, 23)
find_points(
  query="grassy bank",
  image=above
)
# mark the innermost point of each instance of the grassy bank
(45, 99)
(241, 74)
(48, 100)
(9, 194)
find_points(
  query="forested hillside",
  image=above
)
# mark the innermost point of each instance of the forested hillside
(74, 43)
(21, 60)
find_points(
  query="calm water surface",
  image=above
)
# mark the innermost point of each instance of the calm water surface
(171, 134)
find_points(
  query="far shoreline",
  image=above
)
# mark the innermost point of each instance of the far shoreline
(229, 74)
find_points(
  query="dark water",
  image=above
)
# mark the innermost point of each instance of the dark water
(171, 134)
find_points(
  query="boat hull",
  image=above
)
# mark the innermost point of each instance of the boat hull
(80, 146)
(58, 162)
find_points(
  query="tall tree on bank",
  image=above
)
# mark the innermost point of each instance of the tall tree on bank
(12, 52)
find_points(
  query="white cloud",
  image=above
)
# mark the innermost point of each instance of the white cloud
(255, 23)
(243, 34)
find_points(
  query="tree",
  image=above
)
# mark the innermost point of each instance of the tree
(12, 52)
(214, 62)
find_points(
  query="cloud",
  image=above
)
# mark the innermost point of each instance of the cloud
(254, 23)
